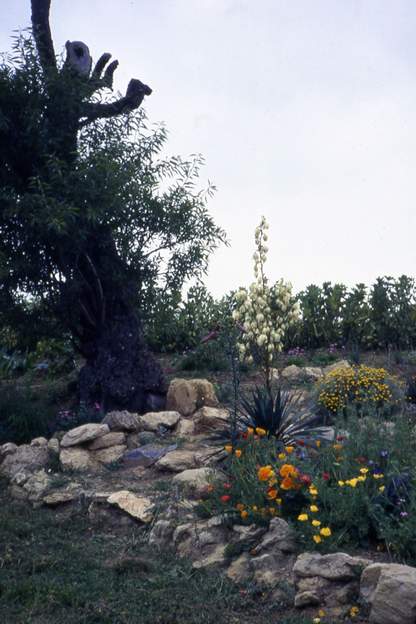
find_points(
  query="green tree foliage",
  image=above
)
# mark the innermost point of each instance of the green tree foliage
(94, 220)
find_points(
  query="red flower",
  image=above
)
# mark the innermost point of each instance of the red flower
(225, 498)
(340, 438)
(326, 476)
(305, 479)
(226, 486)
(300, 443)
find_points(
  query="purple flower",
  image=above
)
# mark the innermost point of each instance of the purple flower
(384, 454)
(403, 514)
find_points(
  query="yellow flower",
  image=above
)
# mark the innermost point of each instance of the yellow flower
(316, 620)
(254, 508)
(228, 448)
(382, 488)
(362, 478)
(313, 508)
(313, 491)
(289, 449)
(317, 539)
(364, 470)
(354, 611)
(378, 475)
(238, 453)
(352, 482)
(278, 501)
(341, 483)
(250, 430)
(316, 523)
(325, 531)
(303, 517)
(318, 443)
(281, 456)
(321, 613)
(260, 431)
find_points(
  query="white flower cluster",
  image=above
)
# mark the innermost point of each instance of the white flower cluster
(264, 313)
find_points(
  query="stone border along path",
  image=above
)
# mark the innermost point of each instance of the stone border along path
(163, 461)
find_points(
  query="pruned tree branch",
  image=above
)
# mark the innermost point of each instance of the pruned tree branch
(42, 33)
(99, 66)
(132, 100)
(109, 74)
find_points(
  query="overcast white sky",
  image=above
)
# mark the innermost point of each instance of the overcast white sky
(305, 111)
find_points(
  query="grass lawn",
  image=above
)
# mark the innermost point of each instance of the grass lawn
(59, 569)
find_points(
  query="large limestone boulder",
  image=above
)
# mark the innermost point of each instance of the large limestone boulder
(84, 433)
(209, 419)
(153, 421)
(78, 459)
(177, 461)
(186, 396)
(390, 590)
(114, 438)
(331, 581)
(24, 458)
(138, 507)
(122, 421)
(292, 373)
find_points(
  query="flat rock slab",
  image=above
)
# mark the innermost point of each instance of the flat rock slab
(334, 567)
(146, 455)
(110, 454)
(138, 507)
(114, 438)
(84, 433)
(177, 461)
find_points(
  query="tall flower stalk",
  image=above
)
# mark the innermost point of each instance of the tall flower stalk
(264, 312)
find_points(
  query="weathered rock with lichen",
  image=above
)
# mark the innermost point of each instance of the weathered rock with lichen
(25, 457)
(122, 421)
(138, 507)
(153, 421)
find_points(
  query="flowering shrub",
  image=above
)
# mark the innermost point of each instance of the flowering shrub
(357, 490)
(264, 312)
(362, 386)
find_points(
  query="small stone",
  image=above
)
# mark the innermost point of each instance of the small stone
(37, 485)
(209, 419)
(84, 433)
(240, 570)
(195, 480)
(53, 446)
(25, 457)
(185, 428)
(152, 421)
(138, 507)
(78, 459)
(342, 364)
(7, 449)
(39, 442)
(60, 497)
(114, 438)
(122, 421)
(109, 455)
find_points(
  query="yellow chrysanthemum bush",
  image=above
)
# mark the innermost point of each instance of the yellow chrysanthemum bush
(365, 388)
(264, 312)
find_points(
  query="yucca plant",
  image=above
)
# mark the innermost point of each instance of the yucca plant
(276, 414)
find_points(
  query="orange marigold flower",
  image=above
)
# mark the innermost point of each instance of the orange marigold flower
(287, 484)
(244, 514)
(260, 431)
(238, 453)
(265, 472)
(287, 470)
(228, 448)
(272, 493)
(289, 449)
